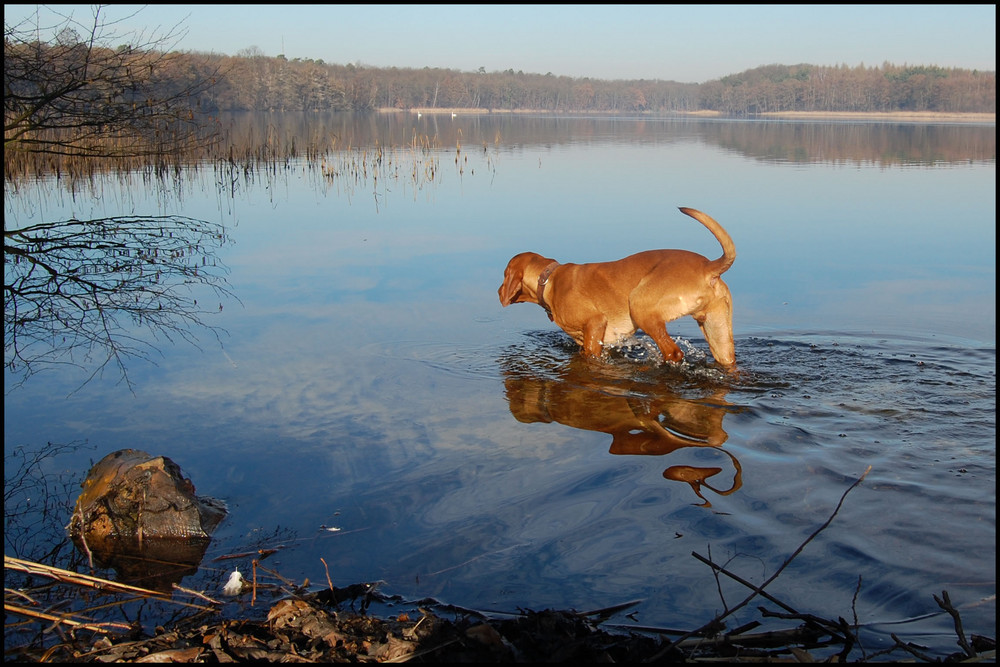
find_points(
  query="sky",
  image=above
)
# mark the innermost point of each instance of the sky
(686, 43)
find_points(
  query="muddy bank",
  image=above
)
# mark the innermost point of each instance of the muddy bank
(360, 624)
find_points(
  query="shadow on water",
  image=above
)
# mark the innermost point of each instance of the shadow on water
(632, 402)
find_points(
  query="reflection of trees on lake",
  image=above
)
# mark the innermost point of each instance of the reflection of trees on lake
(780, 141)
(83, 292)
(887, 144)
(36, 503)
(80, 99)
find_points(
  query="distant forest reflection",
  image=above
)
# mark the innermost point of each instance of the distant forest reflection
(882, 143)
(255, 139)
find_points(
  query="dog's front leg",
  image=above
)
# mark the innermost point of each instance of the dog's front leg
(593, 336)
(668, 348)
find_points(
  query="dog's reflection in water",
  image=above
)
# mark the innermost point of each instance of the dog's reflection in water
(642, 419)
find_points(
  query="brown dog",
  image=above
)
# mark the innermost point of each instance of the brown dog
(601, 304)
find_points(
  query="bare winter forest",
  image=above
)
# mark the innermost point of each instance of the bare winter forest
(251, 81)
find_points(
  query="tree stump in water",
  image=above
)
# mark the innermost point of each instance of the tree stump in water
(138, 514)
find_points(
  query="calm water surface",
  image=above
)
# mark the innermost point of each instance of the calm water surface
(370, 381)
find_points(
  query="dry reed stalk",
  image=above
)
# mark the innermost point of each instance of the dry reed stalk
(87, 581)
(68, 577)
(64, 619)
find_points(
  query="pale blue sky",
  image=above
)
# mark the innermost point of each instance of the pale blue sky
(689, 43)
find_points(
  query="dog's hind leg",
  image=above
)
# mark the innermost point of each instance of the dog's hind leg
(656, 329)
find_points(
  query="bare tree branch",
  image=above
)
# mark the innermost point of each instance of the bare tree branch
(90, 293)
(88, 91)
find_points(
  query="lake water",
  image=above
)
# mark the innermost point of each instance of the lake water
(369, 381)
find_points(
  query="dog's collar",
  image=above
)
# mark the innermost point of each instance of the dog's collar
(543, 279)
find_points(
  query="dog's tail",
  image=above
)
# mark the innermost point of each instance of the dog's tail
(722, 264)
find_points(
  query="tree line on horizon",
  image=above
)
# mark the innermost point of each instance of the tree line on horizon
(251, 81)
(142, 72)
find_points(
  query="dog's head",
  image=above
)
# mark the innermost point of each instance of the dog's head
(521, 270)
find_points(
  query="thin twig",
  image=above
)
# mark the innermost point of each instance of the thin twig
(262, 553)
(857, 624)
(811, 537)
(962, 641)
(822, 624)
(12, 591)
(850, 638)
(910, 649)
(802, 546)
(774, 638)
(718, 584)
(83, 538)
(253, 598)
(718, 568)
(607, 612)
(328, 582)
(759, 590)
(196, 594)
(277, 575)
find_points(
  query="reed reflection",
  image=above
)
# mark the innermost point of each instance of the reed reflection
(776, 141)
(643, 418)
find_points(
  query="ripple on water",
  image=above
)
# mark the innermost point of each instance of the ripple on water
(808, 413)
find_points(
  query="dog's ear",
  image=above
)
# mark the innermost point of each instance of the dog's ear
(511, 287)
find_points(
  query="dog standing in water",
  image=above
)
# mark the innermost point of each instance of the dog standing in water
(602, 303)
